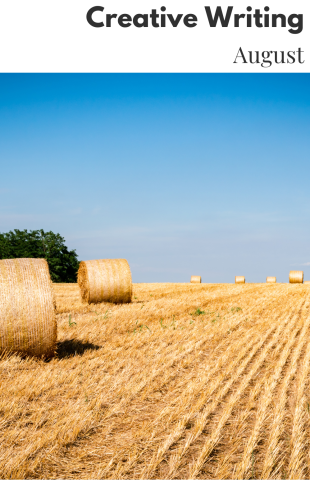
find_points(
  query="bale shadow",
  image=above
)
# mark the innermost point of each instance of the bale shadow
(69, 348)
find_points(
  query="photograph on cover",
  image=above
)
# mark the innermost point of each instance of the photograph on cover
(154, 276)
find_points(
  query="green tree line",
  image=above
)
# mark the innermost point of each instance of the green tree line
(63, 263)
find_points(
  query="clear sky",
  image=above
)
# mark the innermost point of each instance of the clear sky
(194, 174)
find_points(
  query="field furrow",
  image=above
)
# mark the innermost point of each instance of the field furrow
(244, 428)
(299, 444)
(211, 442)
(274, 458)
(244, 469)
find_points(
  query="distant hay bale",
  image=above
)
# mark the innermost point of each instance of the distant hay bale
(195, 279)
(307, 282)
(239, 279)
(105, 281)
(271, 280)
(27, 311)
(296, 276)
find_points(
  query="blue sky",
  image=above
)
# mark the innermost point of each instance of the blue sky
(182, 174)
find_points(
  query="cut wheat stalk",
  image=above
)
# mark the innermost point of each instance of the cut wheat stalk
(200, 423)
(224, 469)
(209, 390)
(135, 386)
(273, 463)
(177, 408)
(233, 354)
(210, 444)
(164, 374)
(299, 443)
(53, 414)
(157, 372)
(246, 464)
(182, 400)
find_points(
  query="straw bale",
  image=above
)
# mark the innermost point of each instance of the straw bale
(307, 282)
(271, 280)
(105, 281)
(195, 279)
(27, 310)
(296, 276)
(239, 279)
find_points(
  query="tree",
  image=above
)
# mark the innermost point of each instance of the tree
(63, 263)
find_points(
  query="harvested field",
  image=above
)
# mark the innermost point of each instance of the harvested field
(187, 381)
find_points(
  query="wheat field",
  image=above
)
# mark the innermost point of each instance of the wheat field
(187, 381)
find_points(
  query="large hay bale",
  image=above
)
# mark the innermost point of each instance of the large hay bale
(27, 310)
(195, 279)
(271, 280)
(296, 276)
(105, 281)
(239, 279)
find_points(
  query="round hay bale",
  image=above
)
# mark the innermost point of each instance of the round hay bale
(105, 281)
(195, 279)
(271, 280)
(27, 310)
(296, 276)
(307, 282)
(239, 279)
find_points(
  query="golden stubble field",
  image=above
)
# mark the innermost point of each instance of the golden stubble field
(188, 381)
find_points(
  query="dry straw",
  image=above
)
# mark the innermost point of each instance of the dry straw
(239, 279)
(296, 276)
(307, 282)
(27, 311)
(271, 280)
(105, 281)
(195, 279)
